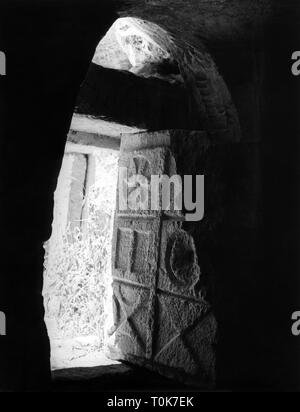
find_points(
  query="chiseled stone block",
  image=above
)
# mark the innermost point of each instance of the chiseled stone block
(131, 331)
(179, 321)
(162, 321)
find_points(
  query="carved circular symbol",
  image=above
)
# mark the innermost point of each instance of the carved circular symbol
(181, 260)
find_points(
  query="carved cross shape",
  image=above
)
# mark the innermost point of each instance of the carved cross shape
(182, 325)
(129, 309)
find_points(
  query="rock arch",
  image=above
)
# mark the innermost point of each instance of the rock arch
(135, 61)
(146, 52)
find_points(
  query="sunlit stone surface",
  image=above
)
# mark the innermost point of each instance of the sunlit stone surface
(77, 291)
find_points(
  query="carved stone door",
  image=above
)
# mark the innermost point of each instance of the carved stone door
(161, 320)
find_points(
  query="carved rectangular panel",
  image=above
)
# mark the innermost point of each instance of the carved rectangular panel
(185, 336)
(131, 315)
(125, 239)
(141, 251)
(135, 251)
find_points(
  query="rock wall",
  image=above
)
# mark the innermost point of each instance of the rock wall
(181, 85)
(43, 41)
(211, 21)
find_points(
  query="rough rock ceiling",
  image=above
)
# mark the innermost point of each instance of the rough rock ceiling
(144, 48)
(196, 22)
(207, 20)
(133, 47)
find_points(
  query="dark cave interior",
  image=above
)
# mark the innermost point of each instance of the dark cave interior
(248, 251)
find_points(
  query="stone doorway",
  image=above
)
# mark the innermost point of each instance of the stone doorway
(165, 105)
(77, 291)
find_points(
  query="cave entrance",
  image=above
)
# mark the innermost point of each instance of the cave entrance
(165, 105)
(77, 291)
